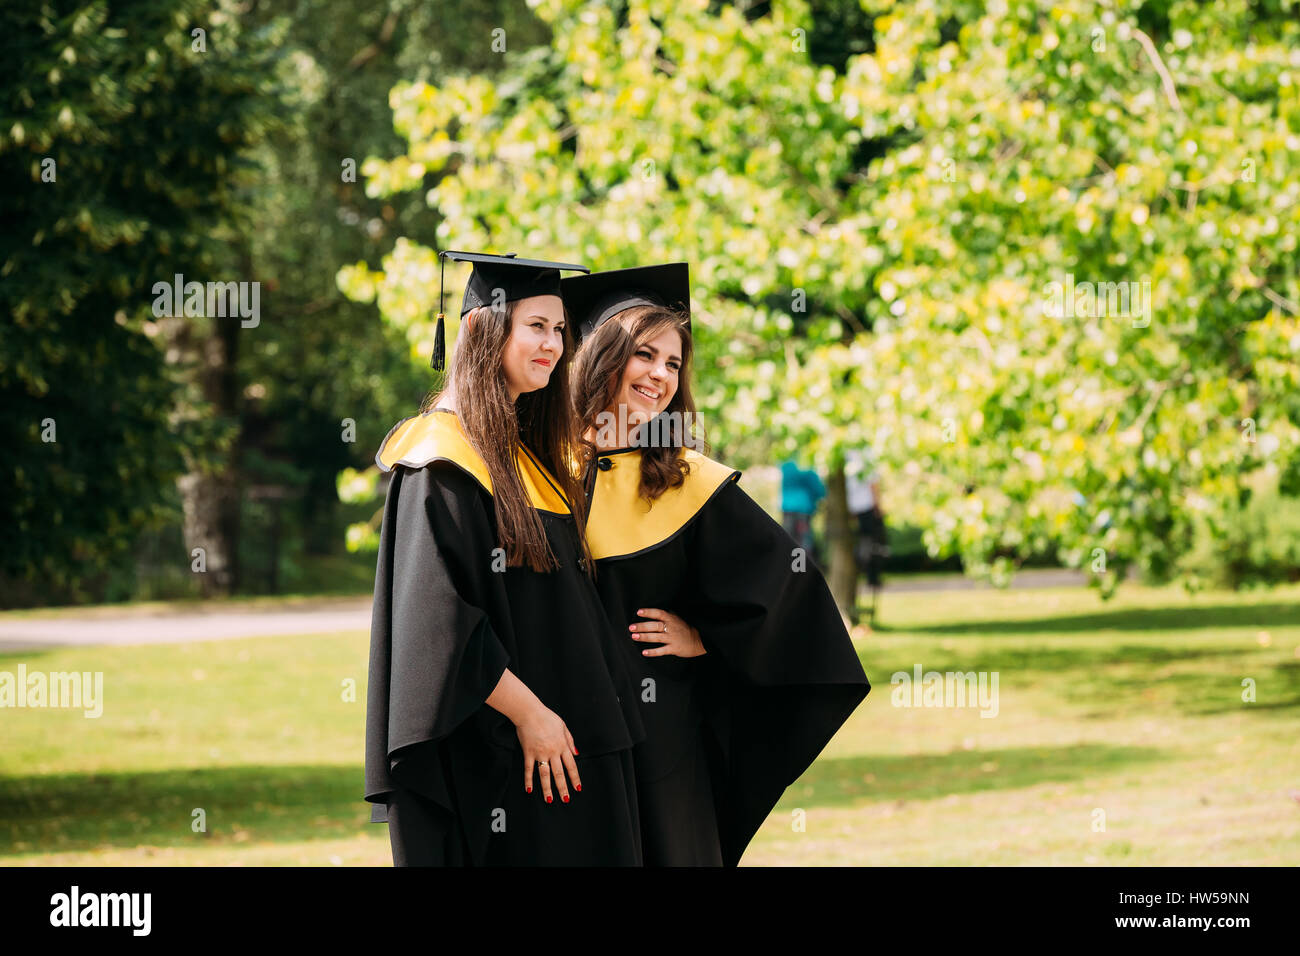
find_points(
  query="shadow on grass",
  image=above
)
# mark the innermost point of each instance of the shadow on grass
(75, 812)
(1041, 658)
(847, 781)
(277, 804)
(11, 656)
(1276, 687)
(1121, 619)
(1131, 679)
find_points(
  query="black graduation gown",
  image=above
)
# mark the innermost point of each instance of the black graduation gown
(444, 769)
(728, 731)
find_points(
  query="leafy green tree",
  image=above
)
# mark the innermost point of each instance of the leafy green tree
(119, 140)
(1145, 145)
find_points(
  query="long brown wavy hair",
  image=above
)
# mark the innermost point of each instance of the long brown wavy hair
(598, 370)
(542, 421)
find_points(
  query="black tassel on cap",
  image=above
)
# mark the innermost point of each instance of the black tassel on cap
(439, 334)
(439, 346)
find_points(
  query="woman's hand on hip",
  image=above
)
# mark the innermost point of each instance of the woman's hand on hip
(665, 628)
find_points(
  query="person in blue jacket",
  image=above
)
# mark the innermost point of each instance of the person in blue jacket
(801, 491)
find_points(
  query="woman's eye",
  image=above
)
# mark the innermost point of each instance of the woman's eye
(674, 366)
(643, 355)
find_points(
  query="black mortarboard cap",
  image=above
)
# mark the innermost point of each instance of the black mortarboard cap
(591, 299)
(516, 278)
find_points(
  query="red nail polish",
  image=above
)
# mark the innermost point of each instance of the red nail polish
(530, 789)
(575, 752)
(578, 787)
(548, 799)
(565, 798)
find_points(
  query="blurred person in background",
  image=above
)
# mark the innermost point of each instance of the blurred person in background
(872, 547)
(801, 492)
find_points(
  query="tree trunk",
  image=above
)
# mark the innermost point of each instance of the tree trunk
(210, 496)
(210, 501)
(843, 573)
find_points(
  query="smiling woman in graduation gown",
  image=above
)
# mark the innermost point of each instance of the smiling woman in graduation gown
(444, 769)
(728, 731)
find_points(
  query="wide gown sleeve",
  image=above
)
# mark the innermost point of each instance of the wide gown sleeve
(434, 658)
(785, 675)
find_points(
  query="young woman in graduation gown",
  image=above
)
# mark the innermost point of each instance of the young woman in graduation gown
(738, 702)
(500, 715)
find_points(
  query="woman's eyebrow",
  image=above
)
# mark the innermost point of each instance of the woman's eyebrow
(546, 318)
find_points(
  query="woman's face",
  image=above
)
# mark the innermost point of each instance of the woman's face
(650, 378)
(535, 344)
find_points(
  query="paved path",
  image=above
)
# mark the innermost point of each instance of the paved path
(1028, 578)
(174, 627)
(140, 626)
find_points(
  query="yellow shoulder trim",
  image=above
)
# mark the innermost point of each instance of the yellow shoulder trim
(438, 436)
(433, 436)
(622, 523)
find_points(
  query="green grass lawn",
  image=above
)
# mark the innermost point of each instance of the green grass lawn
(1128, 714)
